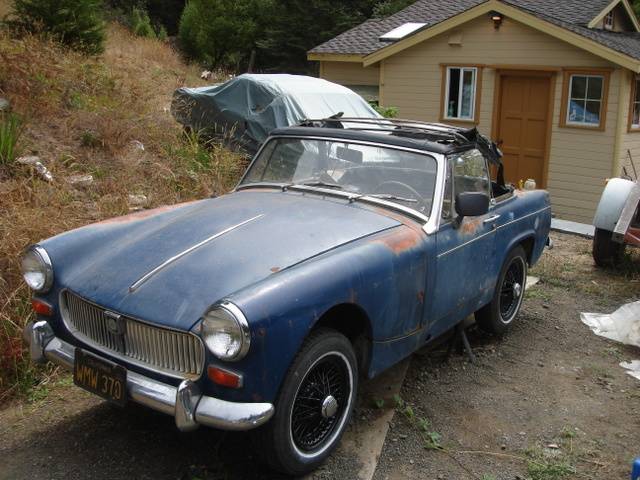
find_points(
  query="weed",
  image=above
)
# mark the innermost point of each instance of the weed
(549, 471)
(89, 139)
(378, 403)
(431, 439)
(10, 130)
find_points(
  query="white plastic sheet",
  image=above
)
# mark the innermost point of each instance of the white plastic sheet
(623, 326)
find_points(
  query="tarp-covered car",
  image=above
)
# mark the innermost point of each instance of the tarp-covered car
(245, 109)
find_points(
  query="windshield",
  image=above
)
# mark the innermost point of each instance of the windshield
(395, 175)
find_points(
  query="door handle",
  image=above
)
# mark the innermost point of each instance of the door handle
(491, 219)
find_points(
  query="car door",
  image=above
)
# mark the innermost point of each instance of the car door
(465, 248)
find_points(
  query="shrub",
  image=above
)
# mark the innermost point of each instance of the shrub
(9, 135)
(140, 23)
(76, 23)
(386, 112)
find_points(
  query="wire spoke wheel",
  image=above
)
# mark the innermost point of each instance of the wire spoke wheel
(512, 289)
(320, 403)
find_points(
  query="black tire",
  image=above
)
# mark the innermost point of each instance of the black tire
(308, 425)
(497, 316)
(606, 252)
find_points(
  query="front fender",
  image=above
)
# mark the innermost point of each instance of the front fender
(384, 275)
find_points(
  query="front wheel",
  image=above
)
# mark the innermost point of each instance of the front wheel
(497, 316)
(314, 405)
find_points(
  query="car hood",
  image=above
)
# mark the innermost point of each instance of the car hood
(168, 265)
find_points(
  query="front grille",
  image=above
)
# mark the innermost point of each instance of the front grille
(175, 353)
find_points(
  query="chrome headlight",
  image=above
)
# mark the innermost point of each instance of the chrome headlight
(225, 331)
(37, 269)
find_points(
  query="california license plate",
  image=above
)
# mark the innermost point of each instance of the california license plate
(100, 376)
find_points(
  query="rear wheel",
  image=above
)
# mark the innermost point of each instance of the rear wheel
(606, 252)
(497, 316)
(314, 405)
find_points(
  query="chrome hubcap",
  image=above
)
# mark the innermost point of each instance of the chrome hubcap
(517, 290)
(329, 407)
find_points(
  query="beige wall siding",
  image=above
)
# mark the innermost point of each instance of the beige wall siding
(630, 140)
(348, 73)
(580, 159)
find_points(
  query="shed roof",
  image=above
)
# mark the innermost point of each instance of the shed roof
(571, 15)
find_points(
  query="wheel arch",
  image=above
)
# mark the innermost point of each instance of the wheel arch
(353, 322)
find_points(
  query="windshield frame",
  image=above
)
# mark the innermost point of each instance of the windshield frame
(430, 222)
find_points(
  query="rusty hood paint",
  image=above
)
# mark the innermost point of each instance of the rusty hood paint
(239, 239)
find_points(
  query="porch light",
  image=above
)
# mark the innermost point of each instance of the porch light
(497, 20)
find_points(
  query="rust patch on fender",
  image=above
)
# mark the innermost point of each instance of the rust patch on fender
(275, 269)
(400, 240)
(134, 217)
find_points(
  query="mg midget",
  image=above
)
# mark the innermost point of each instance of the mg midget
(347, 245)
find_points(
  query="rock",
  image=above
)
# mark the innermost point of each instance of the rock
(80, 181)
(28, 160)
(35, 162)
(44, 172)
(137, 201)
(138, 145)
(5, 106)
(205, 75)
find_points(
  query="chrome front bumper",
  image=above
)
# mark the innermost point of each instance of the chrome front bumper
(186, 403)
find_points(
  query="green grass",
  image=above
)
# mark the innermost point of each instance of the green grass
(10, 130)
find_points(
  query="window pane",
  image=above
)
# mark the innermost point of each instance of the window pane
(578, 86)
(466, 110)
(576, 111)
(637, 99)
(454, 89)
(594, 88)
(592, 115)
(636, 114)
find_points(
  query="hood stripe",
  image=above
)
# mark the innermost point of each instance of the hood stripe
(134, 286)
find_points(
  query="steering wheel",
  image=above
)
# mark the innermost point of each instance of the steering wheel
(394, 184)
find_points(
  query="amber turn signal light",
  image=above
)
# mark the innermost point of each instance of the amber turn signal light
(224, 377)
(41, 308)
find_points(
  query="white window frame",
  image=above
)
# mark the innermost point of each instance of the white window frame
(635, 102)
(568, 121)
(608, 21)
(474, 91)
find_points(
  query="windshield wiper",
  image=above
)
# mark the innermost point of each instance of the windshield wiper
(321, 184)
(384, 196)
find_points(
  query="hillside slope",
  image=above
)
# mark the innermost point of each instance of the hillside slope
(107, 117)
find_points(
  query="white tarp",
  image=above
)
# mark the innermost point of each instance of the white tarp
(623, 326)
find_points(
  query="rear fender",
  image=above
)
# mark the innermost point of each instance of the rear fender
(611, 204)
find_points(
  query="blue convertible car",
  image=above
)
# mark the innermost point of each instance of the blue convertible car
(348, 244)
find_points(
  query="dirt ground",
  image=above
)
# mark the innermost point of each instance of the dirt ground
(547, 401)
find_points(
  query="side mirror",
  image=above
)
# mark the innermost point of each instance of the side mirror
(472, 204)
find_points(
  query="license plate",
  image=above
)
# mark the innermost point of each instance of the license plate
(100, 376)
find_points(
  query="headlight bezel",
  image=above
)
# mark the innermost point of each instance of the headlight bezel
(47, 267)
(233, 312)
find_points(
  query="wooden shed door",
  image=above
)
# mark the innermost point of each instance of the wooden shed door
(524, 124)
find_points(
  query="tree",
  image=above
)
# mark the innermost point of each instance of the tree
(296, 26)
(77, 23)
(219, 32)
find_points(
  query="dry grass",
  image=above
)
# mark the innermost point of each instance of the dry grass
(84, 116)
